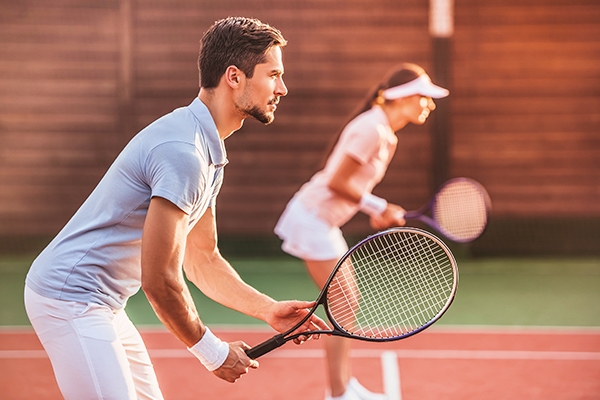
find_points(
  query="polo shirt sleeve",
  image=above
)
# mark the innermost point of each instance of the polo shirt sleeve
(177, 172)
(362, 142)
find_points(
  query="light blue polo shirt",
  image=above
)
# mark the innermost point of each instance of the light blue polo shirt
(96, 256)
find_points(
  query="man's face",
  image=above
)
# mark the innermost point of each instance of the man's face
(262, 92)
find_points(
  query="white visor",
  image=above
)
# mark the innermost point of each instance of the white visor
(422, 85)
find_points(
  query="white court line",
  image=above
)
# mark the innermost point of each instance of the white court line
(435, 329)
(22, 354)
(357, 353)
(391, 375)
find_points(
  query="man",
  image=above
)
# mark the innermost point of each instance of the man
(151, 217)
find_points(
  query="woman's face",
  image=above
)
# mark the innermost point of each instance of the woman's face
(415, 109)
(419, 108)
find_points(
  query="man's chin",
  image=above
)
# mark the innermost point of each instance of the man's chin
(265, 118)
(261, 116)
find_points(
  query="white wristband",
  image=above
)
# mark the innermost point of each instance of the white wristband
(372, 205)
(210, 350)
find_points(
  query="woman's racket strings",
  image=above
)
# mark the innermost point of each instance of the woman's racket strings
(461, 209)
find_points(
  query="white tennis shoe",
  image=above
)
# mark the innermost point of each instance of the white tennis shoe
(356, 391)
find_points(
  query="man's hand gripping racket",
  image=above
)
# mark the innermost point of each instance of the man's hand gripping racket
(459, 210)
(387, 287)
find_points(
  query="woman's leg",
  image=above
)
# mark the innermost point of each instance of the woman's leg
(337, 349)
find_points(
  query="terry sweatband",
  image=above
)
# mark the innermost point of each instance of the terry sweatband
(372, 205)
(210, 350)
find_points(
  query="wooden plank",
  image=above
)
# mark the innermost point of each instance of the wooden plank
(529, 14)
(524, 117)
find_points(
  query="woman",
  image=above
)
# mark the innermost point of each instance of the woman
(310, 224)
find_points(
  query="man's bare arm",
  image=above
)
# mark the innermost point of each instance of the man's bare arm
(163, 248)
(216, 278)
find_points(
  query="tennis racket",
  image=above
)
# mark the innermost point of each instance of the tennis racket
(459, 210)
(387, 287)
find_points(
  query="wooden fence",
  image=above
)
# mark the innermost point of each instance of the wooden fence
(78, 78)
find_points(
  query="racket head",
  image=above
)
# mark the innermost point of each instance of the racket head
(391, 285)
(461, 209)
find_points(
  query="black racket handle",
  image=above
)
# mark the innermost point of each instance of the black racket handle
(265, 346)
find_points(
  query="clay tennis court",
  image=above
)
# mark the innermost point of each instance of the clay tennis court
(441, 363)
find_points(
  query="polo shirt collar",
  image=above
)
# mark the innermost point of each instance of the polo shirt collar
(380, 115)
(216, 146)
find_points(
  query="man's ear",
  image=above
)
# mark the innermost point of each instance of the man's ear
(234, 76)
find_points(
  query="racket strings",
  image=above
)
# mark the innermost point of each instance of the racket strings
(461, 210)
(423, 305)
(410, 320)
(391, 286)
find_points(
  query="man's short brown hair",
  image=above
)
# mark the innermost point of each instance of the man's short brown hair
(242, 42)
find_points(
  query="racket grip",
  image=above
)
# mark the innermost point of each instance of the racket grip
(265, 346)
(412, 215)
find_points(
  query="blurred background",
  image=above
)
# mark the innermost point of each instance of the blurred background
(79, 78)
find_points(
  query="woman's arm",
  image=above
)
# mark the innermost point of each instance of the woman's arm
(341, 180)
(341, 184)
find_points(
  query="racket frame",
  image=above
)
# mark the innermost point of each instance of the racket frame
(282, 338)
(421, 213)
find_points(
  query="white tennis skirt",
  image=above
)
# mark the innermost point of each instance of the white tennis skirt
(308, 237)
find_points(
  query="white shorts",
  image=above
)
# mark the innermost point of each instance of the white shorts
(308, 237)
(96, 353)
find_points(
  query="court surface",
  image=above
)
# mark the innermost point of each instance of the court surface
(441, 363)
(518, 329)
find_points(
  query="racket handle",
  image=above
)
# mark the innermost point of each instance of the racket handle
(265, 346)
(412, 214)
